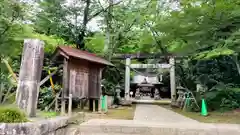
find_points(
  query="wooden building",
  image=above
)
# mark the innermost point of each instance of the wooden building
(82, 73)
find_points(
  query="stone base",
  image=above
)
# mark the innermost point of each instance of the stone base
(53, 126)
(126, 102)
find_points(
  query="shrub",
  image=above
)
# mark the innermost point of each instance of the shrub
(12, 115)
(223, 99)
(46, 97)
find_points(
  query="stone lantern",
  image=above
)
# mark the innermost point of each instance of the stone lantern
(118, 90)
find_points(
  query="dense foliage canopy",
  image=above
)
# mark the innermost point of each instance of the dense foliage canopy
(207, 31)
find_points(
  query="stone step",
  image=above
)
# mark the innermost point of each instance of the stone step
(132, 127)
(152, 102)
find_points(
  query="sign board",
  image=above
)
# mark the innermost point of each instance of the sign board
(140, 79)
(150, 65)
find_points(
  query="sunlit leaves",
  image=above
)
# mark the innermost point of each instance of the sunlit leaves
(96, 43)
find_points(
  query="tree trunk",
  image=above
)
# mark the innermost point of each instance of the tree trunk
(81, 44)
(30, 75)
(108, 18)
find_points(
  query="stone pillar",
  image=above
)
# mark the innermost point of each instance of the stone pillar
(172, 79)
(127, 78)
(30, 75)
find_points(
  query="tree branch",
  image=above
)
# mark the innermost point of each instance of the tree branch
(85, 16)
(163, 49)
(12, 20)
(102, 10)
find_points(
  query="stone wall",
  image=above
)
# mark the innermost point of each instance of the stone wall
(53, 126)
(132, 127)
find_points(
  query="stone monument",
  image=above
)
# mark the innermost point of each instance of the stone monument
(30, 75)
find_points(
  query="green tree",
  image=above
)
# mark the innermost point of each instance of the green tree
(11, 18)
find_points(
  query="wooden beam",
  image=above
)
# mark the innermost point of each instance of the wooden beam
(150, 66)
(50, 75)
(146, 56)
(65, 85)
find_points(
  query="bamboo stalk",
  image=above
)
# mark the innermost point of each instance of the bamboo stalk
(10, 70)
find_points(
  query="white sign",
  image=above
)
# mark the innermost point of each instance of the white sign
(150, 65)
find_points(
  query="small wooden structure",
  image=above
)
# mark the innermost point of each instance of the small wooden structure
(82, 73)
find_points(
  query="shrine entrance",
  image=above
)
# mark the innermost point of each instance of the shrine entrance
(147, 81)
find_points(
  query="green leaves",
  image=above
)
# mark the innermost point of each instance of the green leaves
(10, 27)
(96, 43)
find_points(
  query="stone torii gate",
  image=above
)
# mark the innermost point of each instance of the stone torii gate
(128, 66)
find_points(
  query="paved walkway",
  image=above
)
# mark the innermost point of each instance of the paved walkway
(155, 113)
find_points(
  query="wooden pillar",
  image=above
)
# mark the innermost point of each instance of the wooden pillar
(90, 104)
(127, 78)
(30, 75)
(70, 105)
(65, 86)
(100, 88)
(82, 104)
(56, 103)
(96, 105)
(172, 78)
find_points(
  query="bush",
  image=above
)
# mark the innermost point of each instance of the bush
(11, 115)
(46, 96)
(223, 99)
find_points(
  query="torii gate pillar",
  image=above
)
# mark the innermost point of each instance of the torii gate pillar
(127, 78)
(172, 79)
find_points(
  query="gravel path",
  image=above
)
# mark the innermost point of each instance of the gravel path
(155, 113)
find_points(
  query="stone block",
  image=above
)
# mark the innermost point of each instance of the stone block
(228, 129)
(124, 127)
(54, 126)
(163, 131)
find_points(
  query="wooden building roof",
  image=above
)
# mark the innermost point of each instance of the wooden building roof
(67, 52)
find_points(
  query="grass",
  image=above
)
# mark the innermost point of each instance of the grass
(48, 114)
(42, 115)
(45, 114)
(232, 117)
(126, 113)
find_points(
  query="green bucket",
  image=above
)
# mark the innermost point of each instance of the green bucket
(104, 103)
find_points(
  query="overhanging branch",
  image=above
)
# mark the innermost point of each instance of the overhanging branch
(102, 10)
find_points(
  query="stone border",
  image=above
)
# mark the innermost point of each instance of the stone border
(146, 128)
(51, 126)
